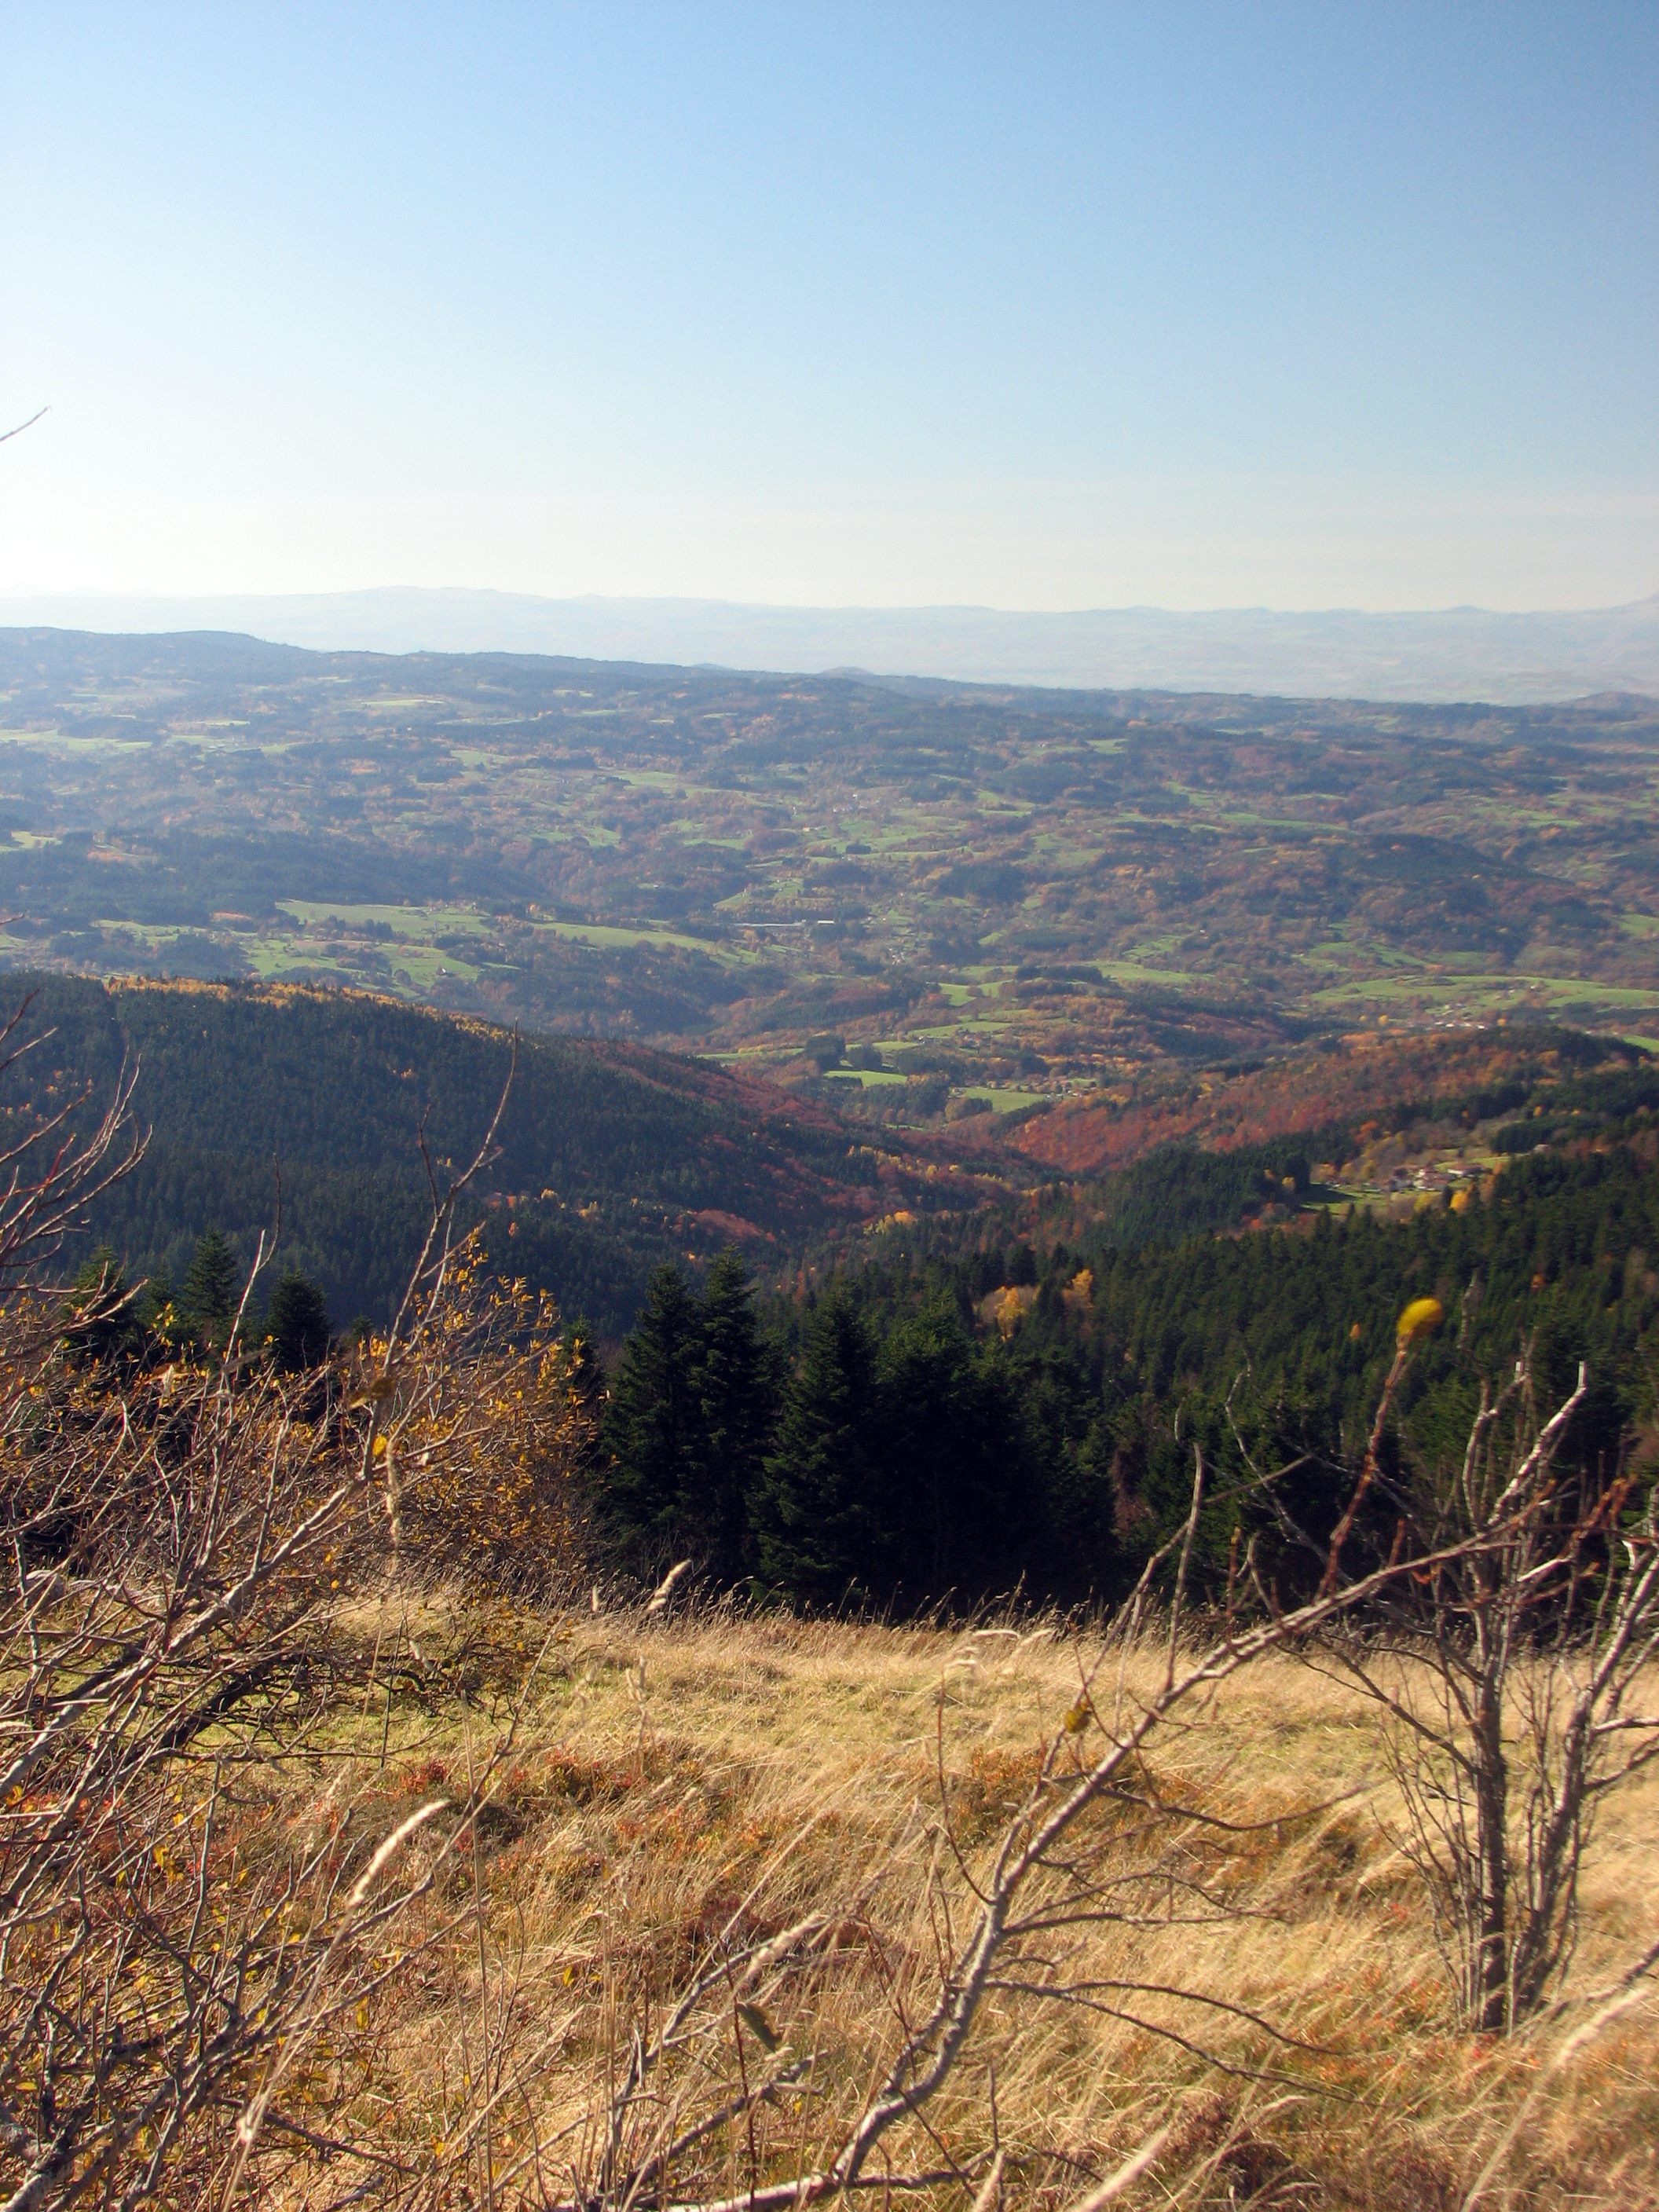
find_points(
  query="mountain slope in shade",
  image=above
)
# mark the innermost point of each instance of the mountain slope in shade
(613, 1157)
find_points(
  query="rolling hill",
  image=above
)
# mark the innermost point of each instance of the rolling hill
(1363, 1077)
(985, 892)
(612, 1157)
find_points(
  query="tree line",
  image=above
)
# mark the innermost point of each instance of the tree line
(884, 1443)
(107, 1319)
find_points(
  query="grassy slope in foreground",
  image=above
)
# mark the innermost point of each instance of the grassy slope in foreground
(777, 1769)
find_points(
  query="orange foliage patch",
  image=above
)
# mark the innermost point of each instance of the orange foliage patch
(1364, 1074)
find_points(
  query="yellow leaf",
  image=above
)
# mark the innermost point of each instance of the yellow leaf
(1421, 1318)
(1079, 1718)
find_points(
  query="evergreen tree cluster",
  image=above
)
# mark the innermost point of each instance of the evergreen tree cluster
(105, 1321)
(690, 1420)
(875, 1459)
(885, 1443)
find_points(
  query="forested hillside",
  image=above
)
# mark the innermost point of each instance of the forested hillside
(903, 1380)
(612, 1157)
(1385, 1124)
(1319, 1094)
(925, 1431)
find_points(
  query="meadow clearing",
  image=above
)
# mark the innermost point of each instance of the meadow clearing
(793, 1816)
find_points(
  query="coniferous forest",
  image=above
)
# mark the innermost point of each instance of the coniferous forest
(1004, 1395)
(880, 1444)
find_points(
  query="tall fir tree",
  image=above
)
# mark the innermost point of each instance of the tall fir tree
(653, 1428)
(582, 1376)
(296, 1324)
(954, 1465)
(737, 1386)
(208, 1298)
(819, 1519)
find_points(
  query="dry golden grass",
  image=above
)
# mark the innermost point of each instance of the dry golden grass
(675, 1787)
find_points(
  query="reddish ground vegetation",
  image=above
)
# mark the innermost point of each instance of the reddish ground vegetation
(1363, 1076)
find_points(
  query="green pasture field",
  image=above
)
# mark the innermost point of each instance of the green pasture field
(148, 933)
(417, 922)
(1487, 990)
(65, 742)
(1005, 1098)
(1133, 973)
(614, 936)
(926, 1033)
(272, 958)
(423, 968)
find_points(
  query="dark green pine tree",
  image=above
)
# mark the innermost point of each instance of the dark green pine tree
(582, 1368)
(952, 1462)
(819, 1533)
(653, 1428)
(580, 1374)
(156, 1298)
(296, 1324)
(737, 1385)
(212, 1283)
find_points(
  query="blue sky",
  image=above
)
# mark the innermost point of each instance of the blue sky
(1033, 306)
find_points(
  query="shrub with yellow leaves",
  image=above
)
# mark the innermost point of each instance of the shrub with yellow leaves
(183, 1966)
(483, 1425)
(189, 1539)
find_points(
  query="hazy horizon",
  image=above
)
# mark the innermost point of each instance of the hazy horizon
(106, 595)
(1454, 654)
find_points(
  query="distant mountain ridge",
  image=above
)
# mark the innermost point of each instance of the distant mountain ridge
(1461, 653)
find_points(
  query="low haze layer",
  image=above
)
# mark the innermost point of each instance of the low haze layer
(1462, 653)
